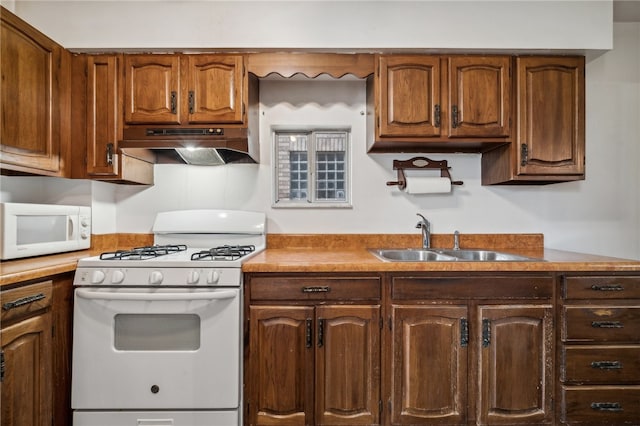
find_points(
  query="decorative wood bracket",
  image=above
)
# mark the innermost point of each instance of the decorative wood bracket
(423, 163)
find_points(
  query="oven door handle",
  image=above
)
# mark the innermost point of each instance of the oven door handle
(102, 295)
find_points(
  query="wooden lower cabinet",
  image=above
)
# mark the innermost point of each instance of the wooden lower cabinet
(456, 359)
(600, 349)
(312, 359)
(25, 382)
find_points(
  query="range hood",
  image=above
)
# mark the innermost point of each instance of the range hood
(203, 146)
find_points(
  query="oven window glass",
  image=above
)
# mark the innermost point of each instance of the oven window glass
(157, 332)
(41, 229)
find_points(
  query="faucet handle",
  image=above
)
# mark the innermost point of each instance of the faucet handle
(456, 240)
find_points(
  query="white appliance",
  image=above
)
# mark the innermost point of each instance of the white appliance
(37, 229)
(157, 330)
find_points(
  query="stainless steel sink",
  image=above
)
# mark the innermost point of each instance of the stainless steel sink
(447, 255)
(485, 256)
(411, 255)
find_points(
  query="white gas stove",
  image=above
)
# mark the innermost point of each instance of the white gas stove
(157, 330)
(191, 248)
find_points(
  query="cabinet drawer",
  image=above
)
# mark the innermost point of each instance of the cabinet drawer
(602, 287)
(294, 288)
(600, 405)
(601, 324)
(20, 302)
(601, 364)
(481, 287)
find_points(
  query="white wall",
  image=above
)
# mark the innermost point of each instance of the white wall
(440, 24)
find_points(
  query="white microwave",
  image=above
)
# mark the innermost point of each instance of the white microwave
(37, 229)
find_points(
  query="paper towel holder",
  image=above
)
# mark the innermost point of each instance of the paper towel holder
(420, 163)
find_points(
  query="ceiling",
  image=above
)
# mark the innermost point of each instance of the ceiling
(626, 10)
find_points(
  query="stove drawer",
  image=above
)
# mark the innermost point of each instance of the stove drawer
(601, 364)
(314, 288)
(155, 418)
(601, 405)
(601, 324)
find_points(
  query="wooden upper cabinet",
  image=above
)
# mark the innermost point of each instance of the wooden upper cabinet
(104, 124)
(409, 93)
(479, 96)
(550, 116)
(215, 89)
(34, 94)
(152, 89)
(437, 103)
(184, 89)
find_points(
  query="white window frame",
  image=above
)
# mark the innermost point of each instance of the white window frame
(312, 201)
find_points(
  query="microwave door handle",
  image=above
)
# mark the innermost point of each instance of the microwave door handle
(101, 295)
(72, 228)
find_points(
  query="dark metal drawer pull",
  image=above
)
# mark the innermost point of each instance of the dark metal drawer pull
(24, 301)
(607, 365)
(606, 406)
(318, 289)
(613, 287)
(606, 324)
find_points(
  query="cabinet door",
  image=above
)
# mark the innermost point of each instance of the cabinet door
(281, 359)
(152, 89)
(215, 89)
(479, 96)
(104, 124)
(429, 365)
(30, 129)
(516, 358)
(550, 116)
(409, 96)
(348, 365)
(26, 386)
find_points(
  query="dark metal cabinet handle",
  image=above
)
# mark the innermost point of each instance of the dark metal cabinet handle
(320, 333)
(612, 287)
(606, 406)
(607, 324)
(192, 101)
(23, 301)
(109, 154)
(455, 119)
(464, 332)
(436, 113)
(524, 154)
(607, 365)
(2, 366)
(309, 333)
(316, 289)
(486, 333)
(174, 102)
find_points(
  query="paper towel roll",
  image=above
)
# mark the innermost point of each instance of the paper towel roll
(427, 185)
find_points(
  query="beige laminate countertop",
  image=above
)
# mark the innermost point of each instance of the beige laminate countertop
(361, 260)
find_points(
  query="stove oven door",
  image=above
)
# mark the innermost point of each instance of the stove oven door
(150, 349)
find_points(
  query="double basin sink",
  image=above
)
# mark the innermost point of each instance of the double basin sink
(447, 255)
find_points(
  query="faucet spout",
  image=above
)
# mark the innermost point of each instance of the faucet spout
(425, 227)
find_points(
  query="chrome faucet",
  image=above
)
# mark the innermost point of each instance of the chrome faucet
(456, 240)
(425, 226)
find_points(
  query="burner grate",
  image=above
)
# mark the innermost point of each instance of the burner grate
(225, 252)
(143, 253)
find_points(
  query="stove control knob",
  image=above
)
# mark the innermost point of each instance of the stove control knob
(117, 277)
(213, 277)
(97, 277)
(155, 278)
(193, 277)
